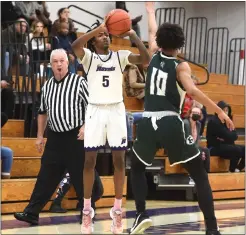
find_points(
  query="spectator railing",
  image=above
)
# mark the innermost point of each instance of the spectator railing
(83, 10)
(15, 65)
(201, 68)
(77, 22)
(196, 35)
(217, 50)
(174, 15)
(236, 63)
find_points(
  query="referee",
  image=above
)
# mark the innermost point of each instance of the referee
(63, 105)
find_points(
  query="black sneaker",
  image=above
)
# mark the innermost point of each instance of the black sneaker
(141, 223)
(213, 232)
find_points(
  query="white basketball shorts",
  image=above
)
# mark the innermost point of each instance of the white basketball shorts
(105, 122)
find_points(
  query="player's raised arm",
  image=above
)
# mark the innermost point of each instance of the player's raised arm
(79, 43)
(184, 76)
(143, 57)
(152, 27)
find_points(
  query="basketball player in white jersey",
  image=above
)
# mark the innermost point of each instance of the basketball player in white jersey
(105, 116)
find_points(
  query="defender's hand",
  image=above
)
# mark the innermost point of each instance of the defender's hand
(225, 119)
(150, 7)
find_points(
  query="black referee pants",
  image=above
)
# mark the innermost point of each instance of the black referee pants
(63, 152)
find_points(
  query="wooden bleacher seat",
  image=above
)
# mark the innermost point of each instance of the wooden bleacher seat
(13, 128)
(223, 88)
(25, 167)
(217, 165)
(227, 185)
(16, 194)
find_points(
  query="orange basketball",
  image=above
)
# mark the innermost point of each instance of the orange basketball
(118, 22)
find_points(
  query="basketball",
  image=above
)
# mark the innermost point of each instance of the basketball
(118, 22)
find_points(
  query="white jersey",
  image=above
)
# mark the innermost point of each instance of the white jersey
(104, 75)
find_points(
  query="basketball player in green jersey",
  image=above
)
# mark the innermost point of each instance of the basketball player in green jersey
(168, 79)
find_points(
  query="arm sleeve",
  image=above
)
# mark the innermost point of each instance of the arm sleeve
(123, 57)
(42, 109)
(86, 60)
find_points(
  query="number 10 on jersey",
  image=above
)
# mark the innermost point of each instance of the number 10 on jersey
(158, 83)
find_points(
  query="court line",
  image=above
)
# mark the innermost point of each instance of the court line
(55, 220)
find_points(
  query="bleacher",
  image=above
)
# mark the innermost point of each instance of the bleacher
(17, 191)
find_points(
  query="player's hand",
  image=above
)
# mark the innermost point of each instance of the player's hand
(150, 7)
(4, 84)
(81, 133)
(129, 33)
(103, 25)
(40, 144)
(225, 119)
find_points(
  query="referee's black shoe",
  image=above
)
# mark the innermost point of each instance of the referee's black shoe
(141, 223)
(57, 208)
(213, 232)
(26, 217)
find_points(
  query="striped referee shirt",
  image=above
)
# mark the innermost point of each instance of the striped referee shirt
(64, 102)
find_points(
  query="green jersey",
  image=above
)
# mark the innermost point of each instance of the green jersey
(163, 92)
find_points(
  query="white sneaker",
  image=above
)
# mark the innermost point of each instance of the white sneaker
(116, 226)
(191, 182)
(87, 226)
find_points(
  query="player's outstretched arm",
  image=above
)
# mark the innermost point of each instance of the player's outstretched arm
(184, 76)
(79, 43)
(143, 57)
(152, 27)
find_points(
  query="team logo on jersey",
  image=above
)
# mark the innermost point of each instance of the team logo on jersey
(190, 140)
(162, 64)
(123, 141)
(101, 68)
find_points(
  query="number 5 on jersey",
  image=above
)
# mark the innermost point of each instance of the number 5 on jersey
(158, 83)
(105, 82)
